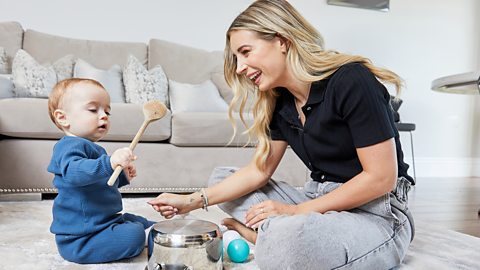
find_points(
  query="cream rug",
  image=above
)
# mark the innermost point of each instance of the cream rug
(26, 243)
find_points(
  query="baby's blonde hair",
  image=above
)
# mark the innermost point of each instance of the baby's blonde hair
(55, 99)
(306, 57)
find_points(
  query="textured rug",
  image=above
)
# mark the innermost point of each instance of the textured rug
(26, 243)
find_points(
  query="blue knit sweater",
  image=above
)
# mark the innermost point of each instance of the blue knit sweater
(85, 203)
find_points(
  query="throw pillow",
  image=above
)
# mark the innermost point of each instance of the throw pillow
(202, 97)
(32, 79)
(64, 67)
(6, 86)
(3, 61)
(111, 79)
(142, 85)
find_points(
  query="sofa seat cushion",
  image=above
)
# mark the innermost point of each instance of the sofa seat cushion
(207, 129)
(28, 118)
(101, 54)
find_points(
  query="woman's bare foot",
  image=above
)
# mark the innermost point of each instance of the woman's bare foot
(247, 233)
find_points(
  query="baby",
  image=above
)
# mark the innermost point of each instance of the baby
(87, 222)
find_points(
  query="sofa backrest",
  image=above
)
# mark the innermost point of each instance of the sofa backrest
(11, 38)
(188, 65)
(101, 54)
(182, 63)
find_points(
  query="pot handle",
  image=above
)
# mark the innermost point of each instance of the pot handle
(164, 266)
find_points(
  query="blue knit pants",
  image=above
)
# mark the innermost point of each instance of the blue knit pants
(116, 242)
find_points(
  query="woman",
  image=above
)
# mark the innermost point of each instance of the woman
(335, 114)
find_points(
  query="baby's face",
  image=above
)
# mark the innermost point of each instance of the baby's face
(87, 110)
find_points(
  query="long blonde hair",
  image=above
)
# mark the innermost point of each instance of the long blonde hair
(306, 56)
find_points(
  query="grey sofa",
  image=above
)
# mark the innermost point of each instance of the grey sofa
(176, 154)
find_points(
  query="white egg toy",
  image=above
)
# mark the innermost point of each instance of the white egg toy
(229, 236)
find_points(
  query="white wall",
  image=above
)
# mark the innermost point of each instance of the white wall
(420, 40)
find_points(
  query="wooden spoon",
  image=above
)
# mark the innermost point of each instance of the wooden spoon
(152, 110)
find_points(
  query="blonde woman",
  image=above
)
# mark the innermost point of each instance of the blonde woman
(334, 112)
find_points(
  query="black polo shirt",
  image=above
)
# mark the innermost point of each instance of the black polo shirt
(348, 110)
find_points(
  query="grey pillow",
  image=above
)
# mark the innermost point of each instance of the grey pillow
(3, 61)
(142, 85)
(202, 97)
(6, 86)
(32, 79)
(111, 79)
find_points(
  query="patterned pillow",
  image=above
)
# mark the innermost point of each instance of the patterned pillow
(3, 61)
(32, 79)
(142, 85)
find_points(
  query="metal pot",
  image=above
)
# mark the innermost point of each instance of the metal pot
(185, 244)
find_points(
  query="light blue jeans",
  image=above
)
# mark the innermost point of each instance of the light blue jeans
(373, 236)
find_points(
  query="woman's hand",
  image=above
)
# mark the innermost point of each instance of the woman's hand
(169, 205)
(257, 214)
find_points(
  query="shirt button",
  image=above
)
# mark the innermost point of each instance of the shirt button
(310, 164)
(322, 177)
(309, 108)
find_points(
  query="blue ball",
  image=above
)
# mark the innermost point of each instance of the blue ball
(238, 250)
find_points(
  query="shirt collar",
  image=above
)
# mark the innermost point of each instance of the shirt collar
(317, 92)
(286, 105)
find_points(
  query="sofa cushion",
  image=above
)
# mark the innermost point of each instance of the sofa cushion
(142, 85)
(203, 97)
(101, 54)
(16, 120)
(111, 79)
(207, 129)
(11, 38)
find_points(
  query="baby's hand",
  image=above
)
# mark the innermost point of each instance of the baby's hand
(122, 157)
(130, 171)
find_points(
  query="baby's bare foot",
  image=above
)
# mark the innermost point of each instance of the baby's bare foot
(247, 233)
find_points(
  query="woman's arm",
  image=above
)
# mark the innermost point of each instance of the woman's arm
(244, 181)
(379, 176)
(248, 178)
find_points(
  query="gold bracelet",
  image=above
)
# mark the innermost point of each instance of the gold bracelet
(204, 197)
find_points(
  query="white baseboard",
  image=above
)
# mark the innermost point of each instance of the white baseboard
(445, 167)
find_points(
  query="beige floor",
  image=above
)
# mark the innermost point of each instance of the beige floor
(25, 242)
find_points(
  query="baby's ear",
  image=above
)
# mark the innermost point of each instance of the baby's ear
(61, 118)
